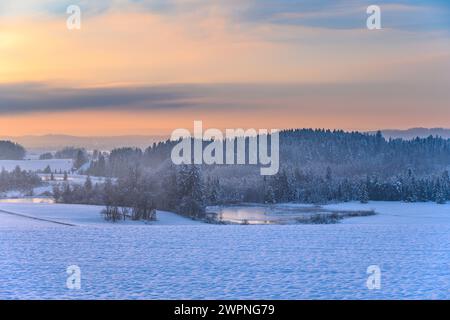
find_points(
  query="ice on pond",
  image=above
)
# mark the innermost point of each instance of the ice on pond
(280, 214)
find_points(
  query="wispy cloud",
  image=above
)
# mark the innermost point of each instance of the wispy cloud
(350, 14)
(416, 15)
(23, 98)
(309, 60)
(35, 97)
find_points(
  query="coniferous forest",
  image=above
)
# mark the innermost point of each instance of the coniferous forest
(11, 151)
(316, 166)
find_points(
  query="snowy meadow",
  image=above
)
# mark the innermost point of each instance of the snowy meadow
(178, 258)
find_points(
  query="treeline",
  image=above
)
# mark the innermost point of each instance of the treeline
(309, 188)
(137, 195)
(11, 151)
(78, 155)
(316, 166)
(348, 154)
(117, 163)
(18, 180)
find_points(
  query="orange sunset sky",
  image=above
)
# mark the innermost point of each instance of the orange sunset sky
(148, 67)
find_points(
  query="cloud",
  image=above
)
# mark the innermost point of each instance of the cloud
(417, 16)
(35, 97)
(291, 62)
(393, 97)
(39, 108)
(193, 42)
(199, 48)
(412, 15)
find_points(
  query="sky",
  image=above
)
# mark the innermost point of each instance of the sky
(149, 67)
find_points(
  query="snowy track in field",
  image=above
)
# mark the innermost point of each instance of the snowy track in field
(35, 218)
(22, 213)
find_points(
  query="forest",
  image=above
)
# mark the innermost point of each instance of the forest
(316, 166)
(11, 151)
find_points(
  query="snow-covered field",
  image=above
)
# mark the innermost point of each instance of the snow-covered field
(176, 258)
(72, 214)
(35, 165)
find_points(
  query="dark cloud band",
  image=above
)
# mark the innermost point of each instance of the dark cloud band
(26, 97)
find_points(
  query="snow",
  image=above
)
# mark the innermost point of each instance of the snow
(71, 178)
(397, 212)
(48, 184)
(178, 258)
(35, 165)
(76, 215)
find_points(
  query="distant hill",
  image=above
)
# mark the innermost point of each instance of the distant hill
(56, 142)
(416, 132)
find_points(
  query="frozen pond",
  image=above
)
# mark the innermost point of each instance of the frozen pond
(280, 214)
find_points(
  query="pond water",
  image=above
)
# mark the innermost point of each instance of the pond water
(265, 214)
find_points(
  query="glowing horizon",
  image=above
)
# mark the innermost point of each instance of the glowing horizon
(143, 67)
